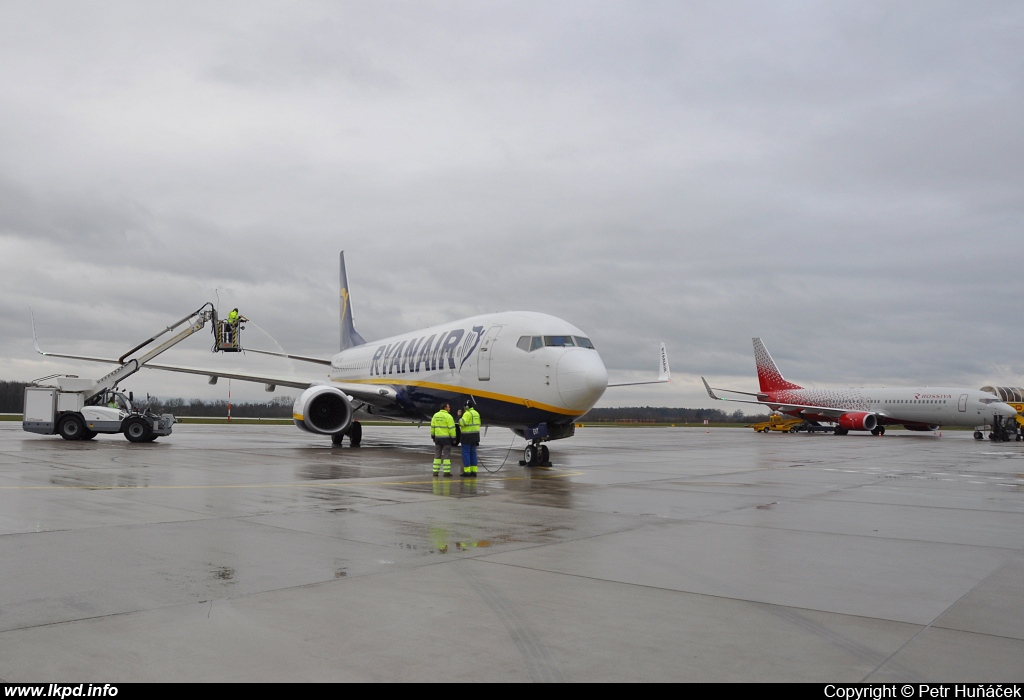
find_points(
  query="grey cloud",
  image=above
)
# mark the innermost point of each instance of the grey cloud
(843, 180)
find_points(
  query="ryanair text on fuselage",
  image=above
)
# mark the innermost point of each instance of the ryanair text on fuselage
(426, 353)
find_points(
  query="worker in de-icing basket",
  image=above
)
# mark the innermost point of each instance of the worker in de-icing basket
(231, 330)
(442, 431)
(469, 421)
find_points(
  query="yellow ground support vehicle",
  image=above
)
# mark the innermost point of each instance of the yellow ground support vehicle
(778, 423)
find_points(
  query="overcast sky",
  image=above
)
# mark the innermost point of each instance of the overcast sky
(843, 179)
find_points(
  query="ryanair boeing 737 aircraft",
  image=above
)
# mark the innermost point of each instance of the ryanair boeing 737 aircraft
(530, 372)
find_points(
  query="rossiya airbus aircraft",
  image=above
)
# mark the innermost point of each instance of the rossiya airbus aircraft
(870, 408)
(530, 372)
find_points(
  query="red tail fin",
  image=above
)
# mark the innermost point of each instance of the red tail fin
(768, 374)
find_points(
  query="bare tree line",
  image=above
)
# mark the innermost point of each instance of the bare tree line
(12, 395)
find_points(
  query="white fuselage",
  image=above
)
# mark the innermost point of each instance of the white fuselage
(520, 368)
(917, 405)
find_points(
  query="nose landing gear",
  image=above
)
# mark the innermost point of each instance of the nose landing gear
(536, 455)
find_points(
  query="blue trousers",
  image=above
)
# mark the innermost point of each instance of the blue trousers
(468, 455)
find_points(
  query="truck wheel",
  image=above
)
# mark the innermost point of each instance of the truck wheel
(71, 428)
(137, 430)
(89, 434)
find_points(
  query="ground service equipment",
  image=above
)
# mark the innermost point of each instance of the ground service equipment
(777, 423)
(79, 409)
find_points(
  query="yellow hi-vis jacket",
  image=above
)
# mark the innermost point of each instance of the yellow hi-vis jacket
(470, 421)
(442, 425)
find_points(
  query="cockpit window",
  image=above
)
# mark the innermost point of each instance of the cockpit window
(558, 341)
(987, 401)
(536, 342)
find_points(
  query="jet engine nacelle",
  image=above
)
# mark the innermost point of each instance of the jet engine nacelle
(323, 410)
(858, 420)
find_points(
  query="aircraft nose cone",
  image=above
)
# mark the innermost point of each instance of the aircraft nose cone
(582, 378)
(1006, 411)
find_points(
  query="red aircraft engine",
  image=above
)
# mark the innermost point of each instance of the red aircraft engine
(858, 420)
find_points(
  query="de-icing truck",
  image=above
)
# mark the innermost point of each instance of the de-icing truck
(80, 409)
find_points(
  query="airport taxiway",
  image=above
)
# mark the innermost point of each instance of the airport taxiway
(258, 553)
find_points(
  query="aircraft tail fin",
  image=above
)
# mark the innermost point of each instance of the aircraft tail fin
(768, 374)
(349, 335)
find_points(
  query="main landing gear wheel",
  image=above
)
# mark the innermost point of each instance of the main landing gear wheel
(71, 428)
(545, 456)
(137, 430)
(531, 455)
(978, 435)
(841, 431)
(354, 432)
(878, 430)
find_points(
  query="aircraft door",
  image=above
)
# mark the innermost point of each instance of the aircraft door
(484, 354)
(962, 406)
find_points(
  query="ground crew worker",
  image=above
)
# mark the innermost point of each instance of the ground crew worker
(469, 421)
(442, 431)
(231, 329)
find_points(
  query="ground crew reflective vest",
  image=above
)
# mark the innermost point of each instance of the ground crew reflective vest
(233, 317)
(442, 425)
(470, 425)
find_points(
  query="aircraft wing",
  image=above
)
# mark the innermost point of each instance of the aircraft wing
(238, 376)
(301, 358)
(777, 406)
(375, 395)
(380, 396)
(664, 372)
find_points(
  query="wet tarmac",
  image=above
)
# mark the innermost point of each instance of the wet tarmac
(252, 553)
